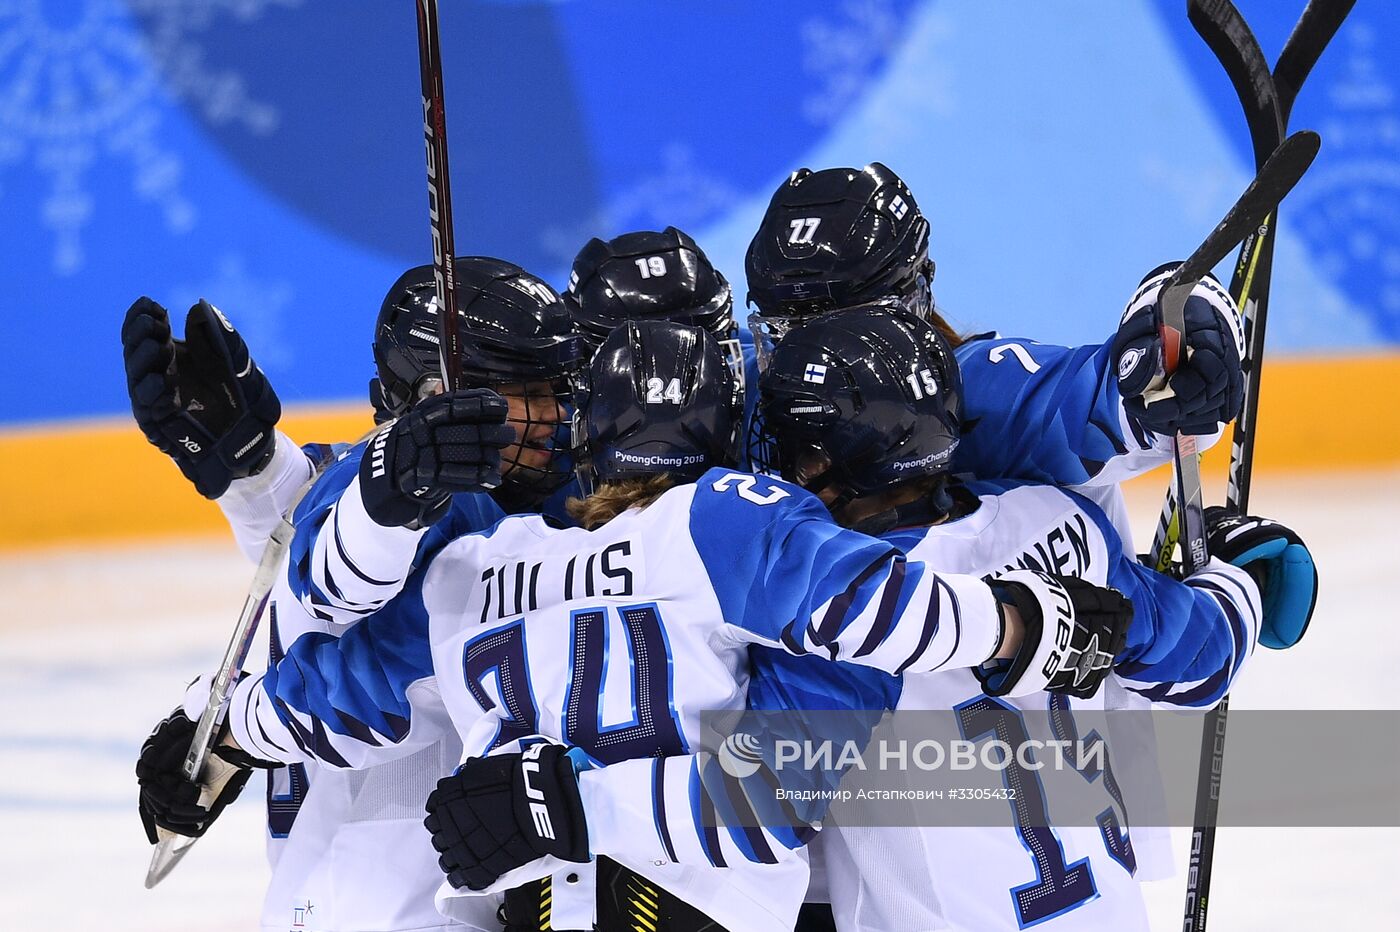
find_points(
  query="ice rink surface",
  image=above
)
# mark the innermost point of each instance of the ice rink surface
(95, 646)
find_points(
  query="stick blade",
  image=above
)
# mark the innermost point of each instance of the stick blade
(1316, 27)
(1223, 28)
(169, 851)
(1277, 176)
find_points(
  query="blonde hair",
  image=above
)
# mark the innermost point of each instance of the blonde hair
(613, 498)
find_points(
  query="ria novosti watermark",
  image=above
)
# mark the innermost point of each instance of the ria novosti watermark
(984, 762)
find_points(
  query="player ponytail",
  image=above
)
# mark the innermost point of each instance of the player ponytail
(613, 498)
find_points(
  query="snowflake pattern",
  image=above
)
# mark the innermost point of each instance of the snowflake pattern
(681, 194)
(1349, 210)
(82, 83)
(253, 305)
(840, 55)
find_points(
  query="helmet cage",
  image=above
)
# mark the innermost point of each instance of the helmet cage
(515, 336)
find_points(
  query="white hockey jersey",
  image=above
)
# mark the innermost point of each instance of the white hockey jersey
(1188, 641)
(615, 641)
(347, 848)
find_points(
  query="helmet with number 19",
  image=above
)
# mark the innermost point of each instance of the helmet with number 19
(649, 275)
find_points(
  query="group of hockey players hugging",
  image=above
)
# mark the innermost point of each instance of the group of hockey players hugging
(512, 601)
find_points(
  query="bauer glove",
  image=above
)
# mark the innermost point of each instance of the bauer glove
(1207, 389)
(498, 813)
(1073, 632)
(201, 400)
(1279, 563)
(445, 444)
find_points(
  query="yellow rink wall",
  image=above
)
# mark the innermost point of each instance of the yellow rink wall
(99, 481)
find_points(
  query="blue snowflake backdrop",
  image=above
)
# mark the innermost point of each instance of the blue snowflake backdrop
(267, 155)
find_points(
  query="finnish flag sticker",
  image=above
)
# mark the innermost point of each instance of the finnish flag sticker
(816, 372)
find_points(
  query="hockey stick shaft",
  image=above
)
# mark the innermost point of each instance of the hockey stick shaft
(1254, 270)
(171, 847)
(1279, 173)
(439, 193)
(1267, 100)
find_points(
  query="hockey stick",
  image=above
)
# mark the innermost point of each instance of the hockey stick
(1254, 270)
(171, 847)
(439, 193)
(1267, 101)
(1279, 173)
(1276, 178)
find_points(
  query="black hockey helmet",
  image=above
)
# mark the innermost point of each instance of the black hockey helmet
(646, 275)
(658, 398)
(836, 238)
(516, 336)
(513, 328)
(863, 399)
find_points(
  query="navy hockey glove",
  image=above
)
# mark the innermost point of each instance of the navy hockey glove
(201, 400)
(1279, 563)
(170, 801)
(501, 812)
(447, 443)
(1073, 632)
(1207, 389)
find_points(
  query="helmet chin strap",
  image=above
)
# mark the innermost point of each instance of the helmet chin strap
(934, 507)
(821, 481)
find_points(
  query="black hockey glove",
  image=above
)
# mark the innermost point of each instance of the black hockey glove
(501, 812)
(1207, 389)
(201, 400)
(1279, 563)
(447, 443)
(173, 803)
(1073, 632)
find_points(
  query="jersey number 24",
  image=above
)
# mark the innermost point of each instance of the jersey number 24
(652, 730)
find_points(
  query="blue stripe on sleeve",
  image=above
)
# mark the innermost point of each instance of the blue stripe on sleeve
(357, 683)
(658, 798)
(774, 555)
(702, 812)
(311, 513)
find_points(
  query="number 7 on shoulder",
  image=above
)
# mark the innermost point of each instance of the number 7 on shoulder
(997, 353)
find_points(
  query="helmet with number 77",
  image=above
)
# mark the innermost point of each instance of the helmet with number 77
(832, 239)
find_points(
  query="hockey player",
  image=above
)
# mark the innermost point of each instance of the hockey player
(642, 275)
(1071, 416)
(844, 237)
(873, 437)
(358, 818)
(761, 563)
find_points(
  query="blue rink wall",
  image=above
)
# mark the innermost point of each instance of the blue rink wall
(267, 155)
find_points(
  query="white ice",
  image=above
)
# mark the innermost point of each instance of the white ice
(95, 646)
